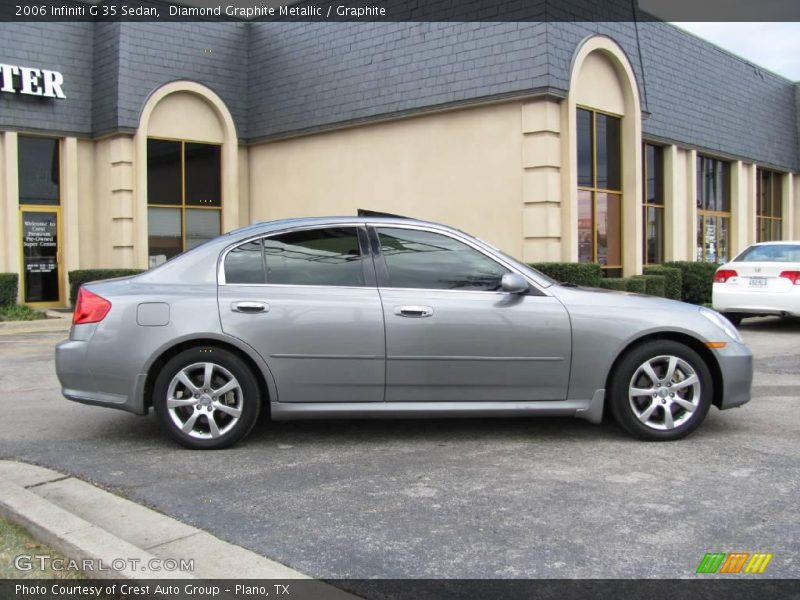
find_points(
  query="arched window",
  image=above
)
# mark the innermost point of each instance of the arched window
(600, 189)
(184, 196)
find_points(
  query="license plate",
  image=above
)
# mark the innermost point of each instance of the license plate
(758, 282)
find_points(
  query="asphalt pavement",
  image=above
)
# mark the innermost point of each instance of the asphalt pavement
(487, 498)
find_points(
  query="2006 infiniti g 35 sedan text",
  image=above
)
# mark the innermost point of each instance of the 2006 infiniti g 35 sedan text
(387, 317)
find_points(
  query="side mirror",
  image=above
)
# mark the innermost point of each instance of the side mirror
(512, 283)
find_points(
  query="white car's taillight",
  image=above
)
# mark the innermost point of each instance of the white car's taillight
(793, 276)
(723, 275)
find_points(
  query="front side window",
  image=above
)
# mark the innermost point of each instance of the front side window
(713, 210)
(769, 207)
(184, 196)
(427, 260)
(653, 205)
(600, 190)
(309, 257)
(38, 170)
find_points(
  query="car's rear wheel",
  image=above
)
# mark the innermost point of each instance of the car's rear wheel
(661, 391)
(206, 398)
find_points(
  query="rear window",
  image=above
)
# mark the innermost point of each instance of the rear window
(771, 253)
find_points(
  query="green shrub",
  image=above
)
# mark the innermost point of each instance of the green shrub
(636, 284)
(586, 274)
(653, 284)
(613, 283)
(697, 279)
(8, 288)
(672, 280)
(78, 278)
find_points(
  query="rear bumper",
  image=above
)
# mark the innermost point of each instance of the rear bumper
(736, 366)
(740, 299)
(77, 382)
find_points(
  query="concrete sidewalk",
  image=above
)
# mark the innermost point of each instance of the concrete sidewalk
(82, 521)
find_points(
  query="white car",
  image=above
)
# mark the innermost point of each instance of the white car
(762, 280)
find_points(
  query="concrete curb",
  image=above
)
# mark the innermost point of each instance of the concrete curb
(82, 521)
(44, 325)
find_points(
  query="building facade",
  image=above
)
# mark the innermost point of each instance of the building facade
(627, 144)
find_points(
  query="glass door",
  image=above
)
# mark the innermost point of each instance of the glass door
(41, 255)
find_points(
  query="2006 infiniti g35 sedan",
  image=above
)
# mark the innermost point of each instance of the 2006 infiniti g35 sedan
(387, 317)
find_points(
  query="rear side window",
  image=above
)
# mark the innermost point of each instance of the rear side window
(422, 259)
(245, 264)
(312, 257)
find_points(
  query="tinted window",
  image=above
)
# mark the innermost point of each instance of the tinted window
(315, 257)
(38, 170)
(585, 145)
(421, 259)
(245, 264)
(163, 172)
(609, 153)
(203, 165)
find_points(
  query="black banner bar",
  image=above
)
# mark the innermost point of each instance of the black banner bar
(734, 587)
(400, 10)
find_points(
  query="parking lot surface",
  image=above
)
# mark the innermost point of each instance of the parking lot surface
(487, 498)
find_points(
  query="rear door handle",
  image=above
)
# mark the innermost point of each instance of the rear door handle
(413, 312)
(249, 307)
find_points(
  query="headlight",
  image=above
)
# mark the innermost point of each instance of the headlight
(723, 323)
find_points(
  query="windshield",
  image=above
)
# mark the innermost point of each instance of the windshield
(771, 253)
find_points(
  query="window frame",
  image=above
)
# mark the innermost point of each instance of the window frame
(704, 216)
(595, 191)
(775, 181)
(367, 262)
(375, 270)
(658, 205)
(182, 206)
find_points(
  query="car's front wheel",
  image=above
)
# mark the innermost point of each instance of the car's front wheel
(206, 398)
(661, 391)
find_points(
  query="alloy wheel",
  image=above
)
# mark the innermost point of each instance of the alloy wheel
(204, 400)
(664, 392)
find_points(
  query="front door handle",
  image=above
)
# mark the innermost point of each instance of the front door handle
(414, 312)
(249, 307)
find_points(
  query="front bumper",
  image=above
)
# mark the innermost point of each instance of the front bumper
(78, 383)
(736, 366)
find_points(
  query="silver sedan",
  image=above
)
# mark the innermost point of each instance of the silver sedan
(385, 317)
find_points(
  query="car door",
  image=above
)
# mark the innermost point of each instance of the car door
(306, 300)
(451, 335)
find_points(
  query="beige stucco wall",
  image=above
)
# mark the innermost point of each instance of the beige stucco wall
(461, 168)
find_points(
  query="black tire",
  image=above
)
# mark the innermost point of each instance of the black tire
(734, 318)
(621, 381)
(246, 398)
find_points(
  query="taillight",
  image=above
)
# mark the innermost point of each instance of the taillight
(793, 276)
(724, 274)
(90, 308)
